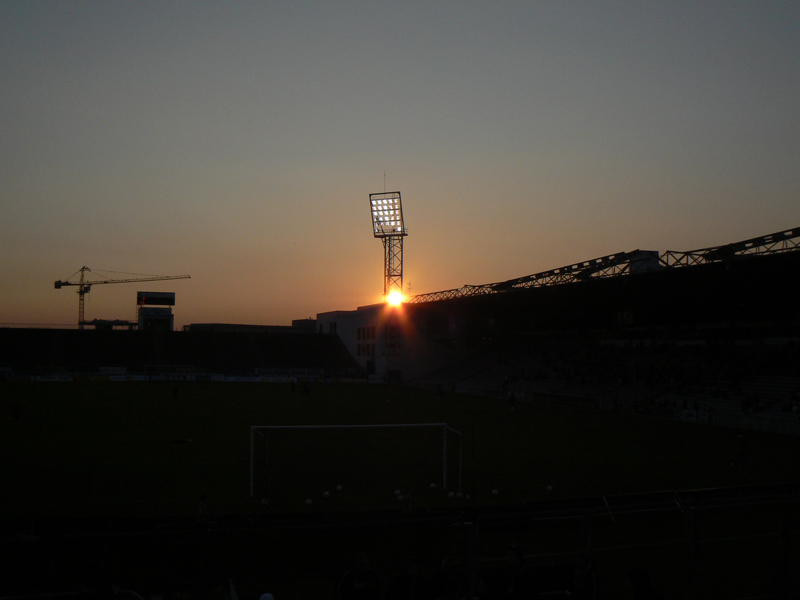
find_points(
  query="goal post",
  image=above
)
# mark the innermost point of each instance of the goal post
(259, 434)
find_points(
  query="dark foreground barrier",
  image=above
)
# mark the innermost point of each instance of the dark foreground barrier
(735, 543)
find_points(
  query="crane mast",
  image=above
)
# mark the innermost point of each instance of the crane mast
(84, 286)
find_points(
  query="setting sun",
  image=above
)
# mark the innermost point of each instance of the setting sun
(395, 298)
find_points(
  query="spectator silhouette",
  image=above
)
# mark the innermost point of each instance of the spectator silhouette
(523, 582)
(451, 576)
(405, 498)
(585, 585)
(362, 582)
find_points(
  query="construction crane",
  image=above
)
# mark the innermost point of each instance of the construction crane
(85, 286)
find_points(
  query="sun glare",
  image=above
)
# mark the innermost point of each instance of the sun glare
(394, 298)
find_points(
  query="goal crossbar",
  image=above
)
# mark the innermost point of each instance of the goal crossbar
(261, 430)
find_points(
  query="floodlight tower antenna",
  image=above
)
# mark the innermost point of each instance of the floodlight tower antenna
(388, 224)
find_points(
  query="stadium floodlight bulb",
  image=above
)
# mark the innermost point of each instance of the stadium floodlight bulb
(387, 214)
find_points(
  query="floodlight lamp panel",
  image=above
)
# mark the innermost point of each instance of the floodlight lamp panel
(387, 214)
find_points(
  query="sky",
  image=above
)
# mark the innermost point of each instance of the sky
(238, 143)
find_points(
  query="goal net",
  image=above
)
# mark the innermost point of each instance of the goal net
(294, 463)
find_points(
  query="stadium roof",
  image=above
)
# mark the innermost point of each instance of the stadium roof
(624, 263)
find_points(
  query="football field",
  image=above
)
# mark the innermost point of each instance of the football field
(113, 450)
(99, 448)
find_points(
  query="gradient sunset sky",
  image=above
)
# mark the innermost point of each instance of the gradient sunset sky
(238, 142)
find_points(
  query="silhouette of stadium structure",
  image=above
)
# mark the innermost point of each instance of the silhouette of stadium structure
(708, 335)
(704, 334)
(739, 293)
(732, 304)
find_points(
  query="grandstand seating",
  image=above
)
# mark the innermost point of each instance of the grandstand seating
(688, 381)
(54, 352)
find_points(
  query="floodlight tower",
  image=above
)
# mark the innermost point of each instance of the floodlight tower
(387, 224)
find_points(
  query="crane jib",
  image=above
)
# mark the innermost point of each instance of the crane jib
(85, 286)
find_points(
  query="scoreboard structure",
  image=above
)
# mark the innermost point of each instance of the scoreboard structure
(154, 311)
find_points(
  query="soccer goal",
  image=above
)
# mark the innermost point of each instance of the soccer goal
(375, 455)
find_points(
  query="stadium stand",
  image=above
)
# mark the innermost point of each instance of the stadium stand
(715, 342)
(26, 353)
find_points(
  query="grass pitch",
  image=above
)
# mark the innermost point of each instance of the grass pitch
(91, 448)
